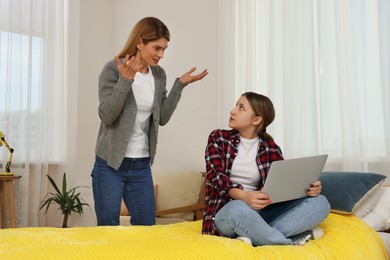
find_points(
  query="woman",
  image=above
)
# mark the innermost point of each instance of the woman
(133, 102)
(237, 163)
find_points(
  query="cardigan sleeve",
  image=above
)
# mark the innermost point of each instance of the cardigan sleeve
(113, 91)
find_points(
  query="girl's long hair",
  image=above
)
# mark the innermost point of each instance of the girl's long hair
(262, 106)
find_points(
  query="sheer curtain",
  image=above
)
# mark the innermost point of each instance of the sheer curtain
(325, 65)
(33, 87)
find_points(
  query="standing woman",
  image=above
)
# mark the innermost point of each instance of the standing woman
(133, 102)
(237, 164)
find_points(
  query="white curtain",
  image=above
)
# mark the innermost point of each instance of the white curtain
(324, 64)
(33, 90)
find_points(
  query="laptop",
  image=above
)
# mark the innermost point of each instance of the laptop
(288, 179)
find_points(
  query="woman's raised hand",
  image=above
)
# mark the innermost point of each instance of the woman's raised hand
(187, 78)
(130, 66)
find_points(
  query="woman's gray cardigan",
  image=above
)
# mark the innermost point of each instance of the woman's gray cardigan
(118, 109)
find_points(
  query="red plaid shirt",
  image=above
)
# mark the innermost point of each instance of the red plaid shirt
(221, 151)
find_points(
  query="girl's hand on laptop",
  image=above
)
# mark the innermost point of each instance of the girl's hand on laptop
(314, 189)
(257, 199)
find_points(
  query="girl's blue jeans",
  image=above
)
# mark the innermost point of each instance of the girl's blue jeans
(273, 225)
(133, 182)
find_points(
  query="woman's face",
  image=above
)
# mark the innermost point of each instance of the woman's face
(153, 51)
(242, 118)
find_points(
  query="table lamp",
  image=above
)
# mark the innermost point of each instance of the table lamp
(11, 151)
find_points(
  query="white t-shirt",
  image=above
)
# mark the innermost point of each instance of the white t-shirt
(143, 89)
(244, 169)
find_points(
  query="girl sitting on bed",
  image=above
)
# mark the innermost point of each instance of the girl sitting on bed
(237, 163)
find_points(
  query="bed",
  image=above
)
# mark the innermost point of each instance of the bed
(357, 228)
(345, 237)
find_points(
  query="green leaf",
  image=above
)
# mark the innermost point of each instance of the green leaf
(64, 184)
(53, 184)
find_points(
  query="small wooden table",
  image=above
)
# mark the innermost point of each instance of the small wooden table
(7, 192)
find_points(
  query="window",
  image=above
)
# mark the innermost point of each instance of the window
(32, 78)
(324, 64)
(22, 84)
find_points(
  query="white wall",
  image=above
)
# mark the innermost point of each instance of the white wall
(104, 28)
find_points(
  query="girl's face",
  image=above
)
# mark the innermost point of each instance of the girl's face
(243, 119)
(152, 52)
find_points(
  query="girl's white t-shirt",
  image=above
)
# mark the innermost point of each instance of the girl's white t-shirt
(143, 89)
(244, 169)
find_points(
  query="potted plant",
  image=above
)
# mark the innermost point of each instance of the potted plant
(68, 201)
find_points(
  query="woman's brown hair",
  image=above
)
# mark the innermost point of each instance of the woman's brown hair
(262, 106)
(147, 29)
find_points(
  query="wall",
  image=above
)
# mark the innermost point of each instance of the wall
(104, 26)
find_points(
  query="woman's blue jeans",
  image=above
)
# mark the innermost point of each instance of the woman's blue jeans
(133, 182)
(273, 225)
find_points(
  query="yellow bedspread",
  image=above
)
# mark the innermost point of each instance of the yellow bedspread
(346, 237)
